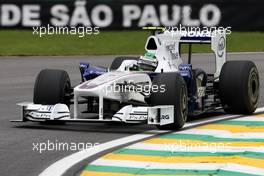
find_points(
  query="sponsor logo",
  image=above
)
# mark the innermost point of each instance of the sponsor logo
(165, 117)
(201, 91)
(137, 117)
(221, 47)
(39, 115)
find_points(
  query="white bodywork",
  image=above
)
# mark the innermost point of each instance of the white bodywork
(168, 57)
(104, 87)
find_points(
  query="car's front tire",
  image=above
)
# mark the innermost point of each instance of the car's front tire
(52, 87)
(175, 94)
(239, 87)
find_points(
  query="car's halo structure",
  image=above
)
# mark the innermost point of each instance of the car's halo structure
(157, 88)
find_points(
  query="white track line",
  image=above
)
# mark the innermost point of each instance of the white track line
(223, 134)
(61, 166)
(186, 166)
(180, 148)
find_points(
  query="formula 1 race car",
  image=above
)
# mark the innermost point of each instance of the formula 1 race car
(157, 88)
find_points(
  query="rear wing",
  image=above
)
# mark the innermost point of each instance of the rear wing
(185, 36)
(195, 39)
(163, 38)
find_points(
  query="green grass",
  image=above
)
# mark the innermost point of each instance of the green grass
(22, 42)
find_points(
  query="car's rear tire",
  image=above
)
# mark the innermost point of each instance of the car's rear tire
(175, 94)
(239, 87)
(52, 87)
(118, 61)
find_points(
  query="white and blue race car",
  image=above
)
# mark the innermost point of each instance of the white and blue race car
(157, 88)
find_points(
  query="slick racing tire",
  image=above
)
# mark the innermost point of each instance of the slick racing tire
(52, 87)
(239, 87)
(118, 61)
(175, 94)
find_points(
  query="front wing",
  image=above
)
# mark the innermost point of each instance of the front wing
(156, 115)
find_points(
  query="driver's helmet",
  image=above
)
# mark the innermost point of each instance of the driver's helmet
(148, 61)
(150, 55)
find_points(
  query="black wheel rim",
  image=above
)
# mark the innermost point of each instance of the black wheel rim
(184, 103)
(253, 86)
(67, 92)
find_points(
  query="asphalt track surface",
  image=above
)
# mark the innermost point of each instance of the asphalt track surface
(17, 76)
